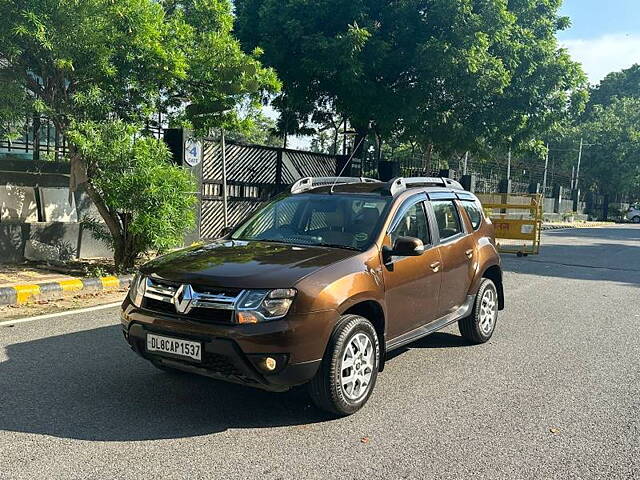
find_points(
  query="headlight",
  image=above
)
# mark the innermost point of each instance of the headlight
(261, 305)
(137, 288)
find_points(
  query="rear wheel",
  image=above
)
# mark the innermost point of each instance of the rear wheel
(479, 326)
(349, 369)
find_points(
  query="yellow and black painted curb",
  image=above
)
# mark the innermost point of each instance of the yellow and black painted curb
(37, 291)
(560, 226)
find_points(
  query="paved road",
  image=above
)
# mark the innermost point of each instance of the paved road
(75, 403)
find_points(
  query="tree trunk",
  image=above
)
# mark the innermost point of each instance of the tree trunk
(125, 254)
(124, 257)
(359, 142)
(121, 255)
(429, 156)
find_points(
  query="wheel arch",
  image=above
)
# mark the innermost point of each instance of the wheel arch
(372, 310)
(494, 273)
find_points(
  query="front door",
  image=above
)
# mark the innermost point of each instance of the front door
(412, 284)
(457, 251)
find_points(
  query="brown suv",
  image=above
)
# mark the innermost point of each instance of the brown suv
(319, 285)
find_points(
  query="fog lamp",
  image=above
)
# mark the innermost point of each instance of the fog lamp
(269, 364)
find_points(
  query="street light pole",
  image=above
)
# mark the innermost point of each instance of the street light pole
(509, 165)
(544, 178)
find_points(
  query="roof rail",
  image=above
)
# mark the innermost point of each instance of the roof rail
(400, 184)
(308, 183)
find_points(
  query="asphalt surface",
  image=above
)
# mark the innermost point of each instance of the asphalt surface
(554, 394)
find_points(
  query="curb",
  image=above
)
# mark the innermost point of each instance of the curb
(559, 226)
(19, 294)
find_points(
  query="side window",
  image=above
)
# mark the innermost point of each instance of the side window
(413, 223)
(475, 213)
(447, 218)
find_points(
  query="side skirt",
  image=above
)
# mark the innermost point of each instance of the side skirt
(432, 327)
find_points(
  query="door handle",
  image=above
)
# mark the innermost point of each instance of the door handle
(435, 266)
(469, 253)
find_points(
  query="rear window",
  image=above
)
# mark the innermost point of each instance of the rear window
(447, 217)
(474, 211)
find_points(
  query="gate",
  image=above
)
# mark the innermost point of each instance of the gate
(517, 220)
(254, 174)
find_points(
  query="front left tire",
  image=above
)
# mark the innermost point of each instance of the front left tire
(346, 378)
(479, 326)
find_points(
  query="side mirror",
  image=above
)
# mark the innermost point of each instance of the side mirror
(405, 247)
(226, 231)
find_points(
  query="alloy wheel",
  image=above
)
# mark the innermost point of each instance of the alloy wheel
(488, 311)
(357, 366)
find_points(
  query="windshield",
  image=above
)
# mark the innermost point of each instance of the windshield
(344, 221)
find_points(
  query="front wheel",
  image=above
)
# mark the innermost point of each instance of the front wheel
(479, 326)
(636, 219)
(349, 369)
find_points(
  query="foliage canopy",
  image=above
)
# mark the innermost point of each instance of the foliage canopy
(83, 61)
(460, 75)
(150, 197)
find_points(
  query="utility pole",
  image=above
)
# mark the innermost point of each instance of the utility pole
(509, 164)
(544, 178)
(576, 191)
(579, 160)
(344, 137)
(466, 159)
(573, 175)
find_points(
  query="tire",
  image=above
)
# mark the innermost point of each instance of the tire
(479, 326)
(326, 388)
(636, 219)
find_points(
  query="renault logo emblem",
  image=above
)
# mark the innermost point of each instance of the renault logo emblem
(183, 299)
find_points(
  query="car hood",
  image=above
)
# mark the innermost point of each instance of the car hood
(242, 264)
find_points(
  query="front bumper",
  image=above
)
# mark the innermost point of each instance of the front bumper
(235, 352)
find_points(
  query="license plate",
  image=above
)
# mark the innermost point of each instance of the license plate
(174, 346)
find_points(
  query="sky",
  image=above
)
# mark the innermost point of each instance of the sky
(604, 35)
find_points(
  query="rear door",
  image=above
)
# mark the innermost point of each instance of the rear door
(457, 250)
(412, 284)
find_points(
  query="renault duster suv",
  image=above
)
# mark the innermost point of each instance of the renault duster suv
(319, 285)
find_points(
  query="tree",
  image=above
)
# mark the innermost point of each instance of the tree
(611, 164)
(625, 83)
(149, 196)
(461, 75)
(77, 60)
(255, 128)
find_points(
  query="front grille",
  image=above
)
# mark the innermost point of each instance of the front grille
(205, 315)
(220, 364)
(209, 304)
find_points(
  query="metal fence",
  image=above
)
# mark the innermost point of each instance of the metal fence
(38, 138)
(254, 174)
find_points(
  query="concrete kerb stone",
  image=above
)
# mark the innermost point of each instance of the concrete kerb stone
(24, 293)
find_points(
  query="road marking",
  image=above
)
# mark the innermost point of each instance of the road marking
(61, 314)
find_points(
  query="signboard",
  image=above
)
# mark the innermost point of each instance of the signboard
(192, 151)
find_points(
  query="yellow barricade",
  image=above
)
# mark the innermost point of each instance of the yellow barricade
(517, 220)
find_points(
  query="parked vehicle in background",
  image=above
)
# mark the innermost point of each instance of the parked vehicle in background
(319, 285)
(633, 214)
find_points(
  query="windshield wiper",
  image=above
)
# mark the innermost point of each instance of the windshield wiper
(336, 245)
